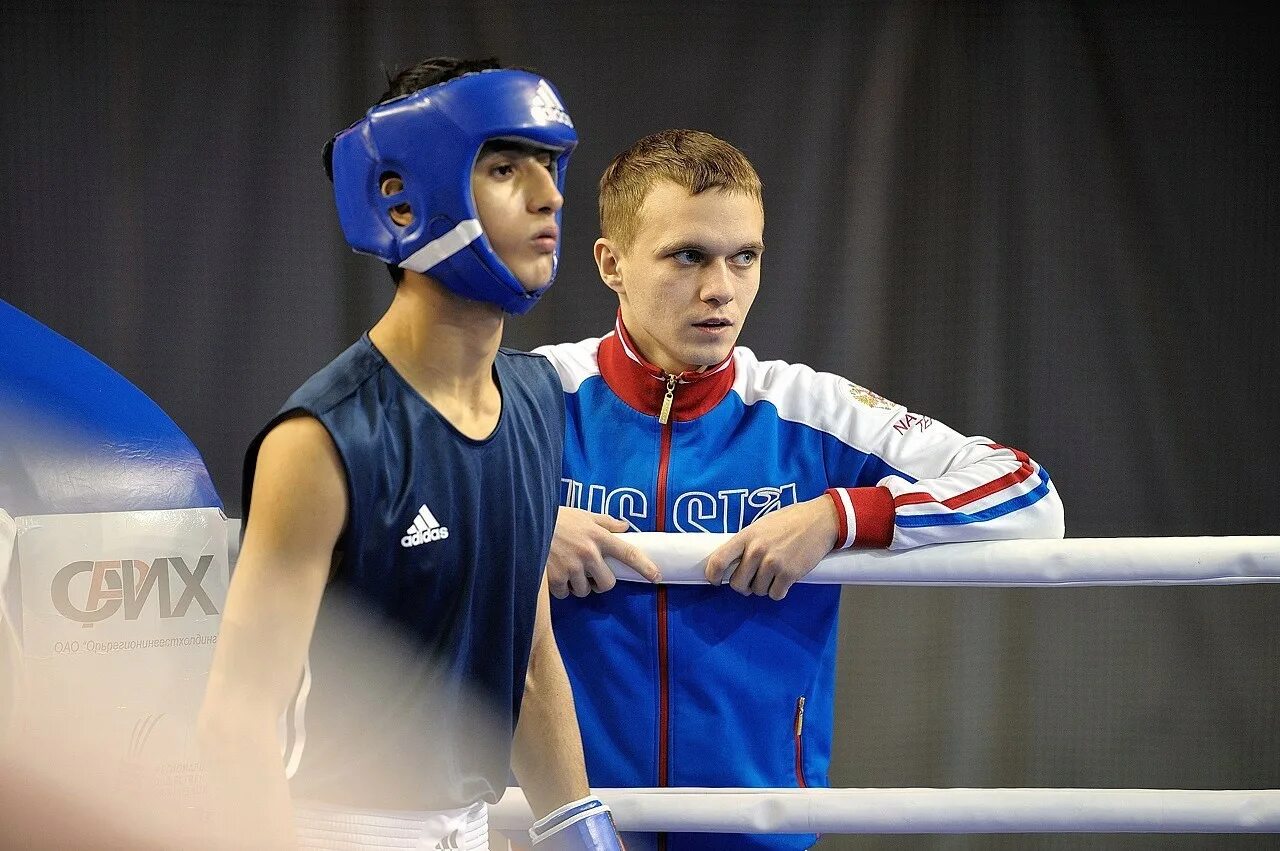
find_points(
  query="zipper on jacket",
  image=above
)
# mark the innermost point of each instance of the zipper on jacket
(660, 525)
(799, 737)
(665, 414)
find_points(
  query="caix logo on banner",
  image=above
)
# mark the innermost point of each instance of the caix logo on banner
(129, 584)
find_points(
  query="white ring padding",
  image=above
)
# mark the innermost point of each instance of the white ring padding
(682, 558)
(924, 810)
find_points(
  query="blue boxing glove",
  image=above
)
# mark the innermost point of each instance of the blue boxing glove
(584, 825)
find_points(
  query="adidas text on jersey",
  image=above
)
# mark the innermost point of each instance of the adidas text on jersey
(424, 529)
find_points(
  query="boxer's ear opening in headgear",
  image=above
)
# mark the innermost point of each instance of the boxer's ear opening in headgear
(391, 184)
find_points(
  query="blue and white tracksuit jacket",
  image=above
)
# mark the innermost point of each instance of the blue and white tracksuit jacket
(698, 685)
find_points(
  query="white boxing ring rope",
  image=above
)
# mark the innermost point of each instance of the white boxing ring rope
(691, 810)
(1051, 563)
(1007, 564)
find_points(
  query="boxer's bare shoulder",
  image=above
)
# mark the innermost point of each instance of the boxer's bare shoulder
(299, 489)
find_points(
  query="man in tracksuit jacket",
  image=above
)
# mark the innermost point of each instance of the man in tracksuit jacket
(670, 427)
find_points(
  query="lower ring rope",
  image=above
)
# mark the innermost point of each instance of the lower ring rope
(925, 810)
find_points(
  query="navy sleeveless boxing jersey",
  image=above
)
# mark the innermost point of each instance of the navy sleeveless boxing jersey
(416, 668)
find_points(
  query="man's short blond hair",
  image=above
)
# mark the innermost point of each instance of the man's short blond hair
(693, 159)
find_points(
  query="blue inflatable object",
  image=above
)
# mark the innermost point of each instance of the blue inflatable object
(76, 437)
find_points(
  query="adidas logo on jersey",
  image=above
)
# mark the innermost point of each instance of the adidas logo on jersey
(547, 107)
(449, 843)
(424, 529)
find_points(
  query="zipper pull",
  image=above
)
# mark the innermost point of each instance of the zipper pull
(799, 717)
(667, 400)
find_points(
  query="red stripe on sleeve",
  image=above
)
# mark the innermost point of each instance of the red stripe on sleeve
(1025, 471)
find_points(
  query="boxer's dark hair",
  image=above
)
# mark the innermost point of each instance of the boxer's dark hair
(429, 72)
(414, 78)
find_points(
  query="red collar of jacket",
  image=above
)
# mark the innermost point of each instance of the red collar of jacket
(643, 386)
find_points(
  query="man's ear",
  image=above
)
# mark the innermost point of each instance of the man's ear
(608, 262)
(392, 184)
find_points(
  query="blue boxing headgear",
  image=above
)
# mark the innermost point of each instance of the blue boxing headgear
(431, 139)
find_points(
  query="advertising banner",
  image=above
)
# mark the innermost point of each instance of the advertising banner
(115, 618)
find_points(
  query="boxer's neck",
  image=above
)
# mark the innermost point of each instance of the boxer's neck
(444, 346)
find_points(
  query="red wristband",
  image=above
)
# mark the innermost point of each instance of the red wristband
(864, 515)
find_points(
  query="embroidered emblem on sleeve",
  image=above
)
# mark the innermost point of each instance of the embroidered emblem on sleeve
(869, 398)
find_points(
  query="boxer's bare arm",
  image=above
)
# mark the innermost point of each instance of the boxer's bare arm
(546, 754)
(299, 509)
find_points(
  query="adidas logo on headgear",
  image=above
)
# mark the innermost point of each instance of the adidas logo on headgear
(547, 107)
(424, 529)
(449, 843)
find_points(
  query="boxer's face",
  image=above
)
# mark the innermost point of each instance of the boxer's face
(514, 188)
(689, 277)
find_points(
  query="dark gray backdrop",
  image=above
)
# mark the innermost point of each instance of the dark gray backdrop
(1050, 223)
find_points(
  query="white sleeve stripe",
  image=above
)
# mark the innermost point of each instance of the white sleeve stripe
(851, 519)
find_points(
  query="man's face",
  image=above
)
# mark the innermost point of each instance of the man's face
(690, 275)
(514, 188)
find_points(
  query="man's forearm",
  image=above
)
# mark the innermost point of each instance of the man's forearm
(249, 790)
(547, 750)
